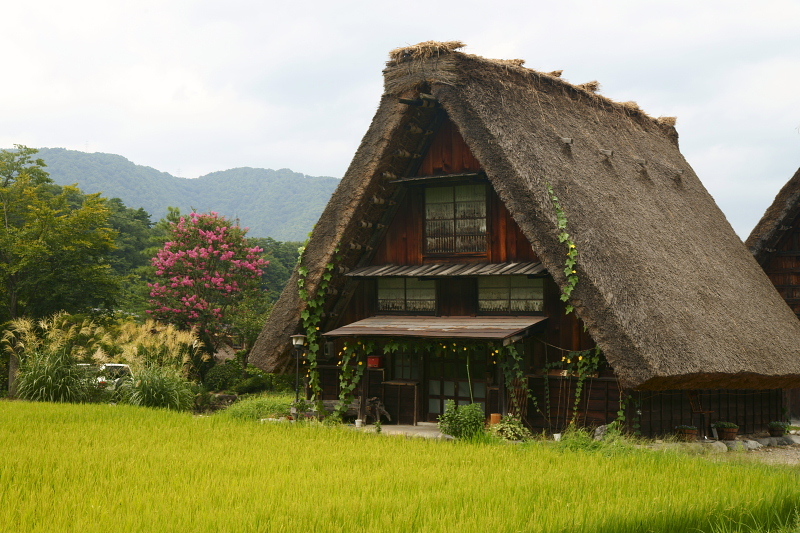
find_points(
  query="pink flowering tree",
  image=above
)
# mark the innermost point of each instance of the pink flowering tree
(204, 269)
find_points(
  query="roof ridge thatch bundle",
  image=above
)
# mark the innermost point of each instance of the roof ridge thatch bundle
(415, 61)
(422, 51)
(666, 288)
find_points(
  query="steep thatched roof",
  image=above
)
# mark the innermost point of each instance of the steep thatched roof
(776, 220)
(666, 288)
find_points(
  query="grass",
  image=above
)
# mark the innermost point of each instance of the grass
(94, 468)
(260, 406)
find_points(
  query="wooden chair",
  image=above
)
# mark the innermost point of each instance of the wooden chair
(697, 409)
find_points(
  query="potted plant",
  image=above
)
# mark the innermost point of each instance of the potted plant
(686, 432)
(726, 430)
(777, 428)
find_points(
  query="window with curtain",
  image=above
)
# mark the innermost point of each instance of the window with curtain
(455, 219)
(510, 294)
(406, 295)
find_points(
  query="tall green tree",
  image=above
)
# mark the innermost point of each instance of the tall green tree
(131, 257)
(54, 244)
(282, 257)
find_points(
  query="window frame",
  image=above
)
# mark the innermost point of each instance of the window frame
(426, 252)
(406, 310)
(510, 299)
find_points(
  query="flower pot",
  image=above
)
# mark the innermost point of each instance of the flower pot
(776, 432)
(727, 433)
(686, 434)
(375, 361)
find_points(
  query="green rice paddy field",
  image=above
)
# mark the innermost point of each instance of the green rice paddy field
(100, 468)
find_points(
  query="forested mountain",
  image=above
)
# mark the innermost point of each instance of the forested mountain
(281, 204)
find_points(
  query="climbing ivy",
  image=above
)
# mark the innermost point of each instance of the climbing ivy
(312, 318)
(514, 375)
(585, 364)
(351, 374)
(580, 364)
(572, 251)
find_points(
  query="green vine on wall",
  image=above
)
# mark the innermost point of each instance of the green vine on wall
(580, 364)
(351, 374)
(586, 364)
(511, 365)
(572, 252)
(312, 318)
(621, 421)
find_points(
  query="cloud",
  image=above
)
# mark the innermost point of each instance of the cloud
(204, 86)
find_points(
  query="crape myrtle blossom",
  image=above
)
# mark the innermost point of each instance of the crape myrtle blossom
(203, 269)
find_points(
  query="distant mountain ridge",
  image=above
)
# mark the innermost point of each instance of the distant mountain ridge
(281, 204)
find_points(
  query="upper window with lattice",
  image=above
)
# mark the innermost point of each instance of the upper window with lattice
(455, 219)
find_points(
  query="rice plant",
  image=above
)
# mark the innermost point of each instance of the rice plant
(99, 467)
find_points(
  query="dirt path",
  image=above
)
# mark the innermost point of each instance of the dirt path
(776, 455)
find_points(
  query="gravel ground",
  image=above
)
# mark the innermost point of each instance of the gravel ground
(776, 455)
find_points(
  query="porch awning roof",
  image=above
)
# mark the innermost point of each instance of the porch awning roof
(506, 328)
(439, 270)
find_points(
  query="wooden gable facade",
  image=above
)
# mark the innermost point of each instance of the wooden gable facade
(414, 387)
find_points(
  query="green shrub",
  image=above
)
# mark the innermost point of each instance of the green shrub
(778, 424)
(511, 428)
(229, 376)
(253, 384)
(282, 382)
(277, 382)
(223, 376)
(258, 407)
(158, 387)
(464, 422)
(53, 377)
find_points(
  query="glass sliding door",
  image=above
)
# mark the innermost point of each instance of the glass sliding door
(448, 379)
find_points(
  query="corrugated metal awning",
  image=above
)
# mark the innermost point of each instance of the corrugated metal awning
(506, 328)
(441, 270)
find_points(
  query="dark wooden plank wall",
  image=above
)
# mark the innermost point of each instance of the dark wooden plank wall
(752, 410)
(599, 402)
(448, 154)
(458, 297)
(402, 244)
(562, 332)
(783, 266)
(362, 305)
(656, 412)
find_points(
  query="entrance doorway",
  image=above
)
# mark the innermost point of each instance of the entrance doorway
(449, 378)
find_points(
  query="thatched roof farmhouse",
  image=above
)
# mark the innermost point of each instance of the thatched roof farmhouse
(665, 287)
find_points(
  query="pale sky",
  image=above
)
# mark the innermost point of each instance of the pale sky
(192, 87)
